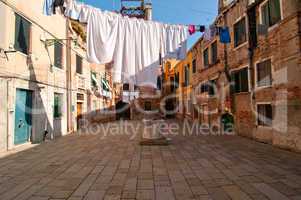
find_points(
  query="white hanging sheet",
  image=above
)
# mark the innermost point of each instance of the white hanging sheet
(134, 45)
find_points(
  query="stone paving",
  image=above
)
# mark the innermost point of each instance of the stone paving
(193, 167)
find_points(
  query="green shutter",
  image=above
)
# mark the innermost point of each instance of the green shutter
(58, 54)
(275, 11)
(22, 31)
(57, 112)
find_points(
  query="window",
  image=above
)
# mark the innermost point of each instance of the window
(212, 87)
(79, 64)
(172, 86)
(95, 105)
(271, 12)
(177, 80)
(214, 52)
(194, 66)
(204, 87)
(58, 54)
(187, 68)
(22, 34)
(148, 106)
(240, 35)
(206, 57)
(189, 107)
(58, 103)
(209, 87)
(264, 114)
(159, 83)
(126, 87)
(240, 81)
(264, 74)
(93, 79)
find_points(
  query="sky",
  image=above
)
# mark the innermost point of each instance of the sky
(199, 12)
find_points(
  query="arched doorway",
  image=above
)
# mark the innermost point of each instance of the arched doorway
(123, 111)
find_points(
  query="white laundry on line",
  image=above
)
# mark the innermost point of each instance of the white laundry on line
(132, 44)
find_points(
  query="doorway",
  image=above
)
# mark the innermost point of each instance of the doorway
(23, 116)
(79, 115)
(123, 111)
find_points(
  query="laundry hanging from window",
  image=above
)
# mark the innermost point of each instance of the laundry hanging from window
(132, 44)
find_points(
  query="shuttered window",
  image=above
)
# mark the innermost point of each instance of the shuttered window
(194, 66)
(79, 64)
(271, 12)
(264, 74)
(206, 57)
(214, 52)
(22, 34)
(93, 79)
(240, 81)
(240, 35)
(58, 54)
(264, 114)
(187, 68)
(57, 108)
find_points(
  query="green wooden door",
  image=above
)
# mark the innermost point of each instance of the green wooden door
(23, 116)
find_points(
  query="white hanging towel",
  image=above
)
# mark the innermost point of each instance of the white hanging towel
(132, 44)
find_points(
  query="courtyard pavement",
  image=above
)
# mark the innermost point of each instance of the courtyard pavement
(115, 167)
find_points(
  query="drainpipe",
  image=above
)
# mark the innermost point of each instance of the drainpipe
(68, 78)
(7, 114)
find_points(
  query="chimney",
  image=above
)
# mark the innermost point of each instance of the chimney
(148, 10)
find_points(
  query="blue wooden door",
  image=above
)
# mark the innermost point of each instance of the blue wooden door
(23, 116)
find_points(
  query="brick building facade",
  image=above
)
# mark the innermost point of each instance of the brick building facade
(255, 77)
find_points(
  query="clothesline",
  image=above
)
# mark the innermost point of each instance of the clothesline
(134, 45)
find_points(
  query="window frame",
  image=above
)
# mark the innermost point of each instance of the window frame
(92, 81)
(76, 64)
(17, 48)
(194, 66)
(245, 18)
(257, 117)
(206, 65)
(212, 53)
(57, 44)
(187, 75)
(270, 27)
(249, 78)
(58, 115)
(256, 71)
